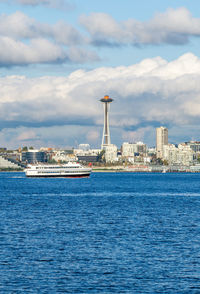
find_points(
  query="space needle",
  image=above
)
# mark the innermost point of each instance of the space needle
(106, 100)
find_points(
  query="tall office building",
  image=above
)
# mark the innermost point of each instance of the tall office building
(161, 140)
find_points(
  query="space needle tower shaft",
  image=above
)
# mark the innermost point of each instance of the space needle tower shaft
(106, 132)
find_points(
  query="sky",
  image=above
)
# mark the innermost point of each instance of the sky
(58, 58)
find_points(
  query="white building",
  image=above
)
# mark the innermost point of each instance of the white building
(170, 152)
(61, 155)
(181, 155)
(87, 152)
(185, 155)
(129, 149)
(110, 153)
(161, 140)
(5, 163)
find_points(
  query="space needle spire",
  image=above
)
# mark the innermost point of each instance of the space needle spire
(106, 100)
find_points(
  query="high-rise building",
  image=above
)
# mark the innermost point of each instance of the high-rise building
(161, 140)
(106, 132)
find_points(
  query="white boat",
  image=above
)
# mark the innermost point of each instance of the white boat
(69, 170)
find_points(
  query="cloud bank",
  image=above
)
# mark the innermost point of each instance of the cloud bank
(24, 40)
(151, 93)
(175, 26)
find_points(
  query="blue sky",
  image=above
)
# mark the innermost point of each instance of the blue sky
(58, 58)
(142, 11)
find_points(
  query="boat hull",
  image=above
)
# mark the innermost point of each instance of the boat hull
(58, 176)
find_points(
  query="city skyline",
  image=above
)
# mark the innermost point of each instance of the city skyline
(58, 57)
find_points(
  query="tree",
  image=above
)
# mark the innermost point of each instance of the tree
(101, 156)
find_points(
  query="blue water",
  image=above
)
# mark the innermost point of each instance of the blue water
(111, 233)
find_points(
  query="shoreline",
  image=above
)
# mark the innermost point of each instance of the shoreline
(142, 171)
(123, 170)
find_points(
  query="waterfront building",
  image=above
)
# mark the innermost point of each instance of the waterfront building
(181, 155)
(34, 156)
(161, 140)
(128, 149)
(195, 168)
(88, 158)
(141, 148)
(194, 145)
(170, 152)
(110, 153)
(63, 156)
(91, 155)
(132, 149)
(8, 164)
(186, 155)
(87, 152)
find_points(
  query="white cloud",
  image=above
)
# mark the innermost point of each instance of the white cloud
(38, 51)
(24, 41)
(20, 26)
(148, 94)
(14, 52)
(175, 26)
